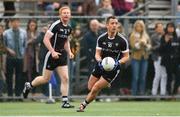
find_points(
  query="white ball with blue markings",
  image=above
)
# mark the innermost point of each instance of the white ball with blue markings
(108, 63)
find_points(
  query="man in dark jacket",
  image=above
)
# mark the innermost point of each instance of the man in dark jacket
(89, 43)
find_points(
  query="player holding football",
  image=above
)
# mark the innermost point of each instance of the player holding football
(112, 44)
(56, 41)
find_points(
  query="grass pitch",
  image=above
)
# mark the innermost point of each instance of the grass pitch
(122, 108)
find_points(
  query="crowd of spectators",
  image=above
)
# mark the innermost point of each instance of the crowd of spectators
(25, 56)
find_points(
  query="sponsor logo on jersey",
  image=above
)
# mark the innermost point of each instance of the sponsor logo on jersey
(109, 44)
(110, 50)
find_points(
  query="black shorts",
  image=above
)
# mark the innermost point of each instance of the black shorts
(107, 75)
(51, 63)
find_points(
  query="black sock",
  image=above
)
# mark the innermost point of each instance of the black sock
(31, 84)
(85, 103)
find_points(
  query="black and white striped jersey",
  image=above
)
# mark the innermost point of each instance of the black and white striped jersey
(59, 34)
(112, 47)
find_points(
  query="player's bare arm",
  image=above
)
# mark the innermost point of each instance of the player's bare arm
(125, 58)
(47, 43)
(98, 54)
(68, 50)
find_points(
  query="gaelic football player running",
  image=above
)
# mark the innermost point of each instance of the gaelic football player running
(56, 41)
(110, 44)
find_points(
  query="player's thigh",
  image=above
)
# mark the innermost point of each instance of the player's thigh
(62, 71)
(92, 81)
(47, 74)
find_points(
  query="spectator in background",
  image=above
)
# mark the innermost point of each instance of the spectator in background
(140, 47)
(31, 50)
(76, 6)
(121, 29)
(89, 43)
(122, 6)
(106, 9)
(48, 8)
(31, 54)
(75, 39)
(160, 71)
(9, 10)
(51, 9)
(170, 52)
(15, 42)
(90, 7)
(2, 52)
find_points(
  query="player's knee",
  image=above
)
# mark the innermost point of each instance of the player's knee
(64, 79)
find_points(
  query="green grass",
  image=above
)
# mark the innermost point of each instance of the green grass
(122, 108)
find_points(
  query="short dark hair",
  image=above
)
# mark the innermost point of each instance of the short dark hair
(14, 19)
(110, 17)
(156, 25)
